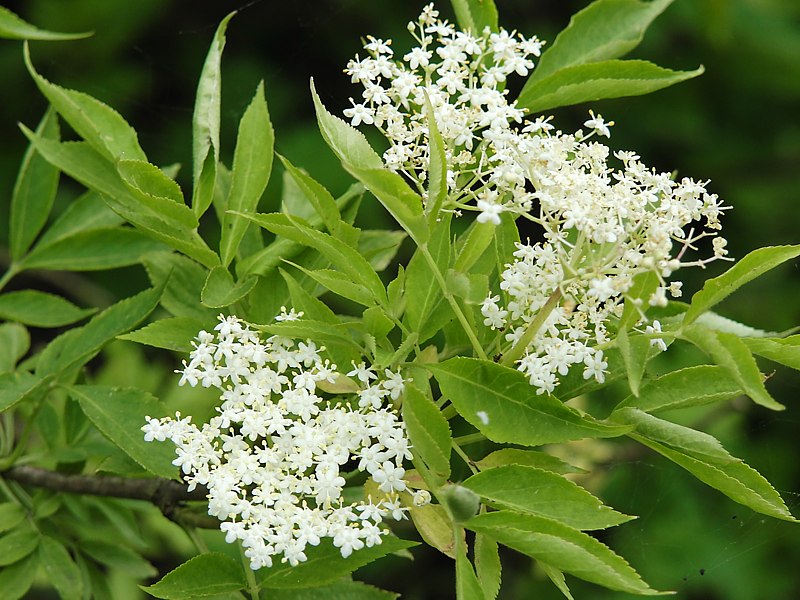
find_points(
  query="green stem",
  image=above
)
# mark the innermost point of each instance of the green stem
(471, 438)
(465, 458)
(196, 540)
(252, 584)
(8, 276)
(516, 352)
(476, 345)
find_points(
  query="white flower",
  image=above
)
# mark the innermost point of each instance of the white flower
(358, 114)
(598, 125)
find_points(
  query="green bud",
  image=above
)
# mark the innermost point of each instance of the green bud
(462, 502)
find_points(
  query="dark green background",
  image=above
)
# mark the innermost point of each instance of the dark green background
(737, 125)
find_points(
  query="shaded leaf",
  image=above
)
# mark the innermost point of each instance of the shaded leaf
(16, 580)
(467, 585)
(184, 279)
(14, 28)
(15, 341)
(200, 577)
(16, 387)
(220, 290)
(40, 309)
(487, 565)
(428, 432)
(87, 212)
(341, 590)
(60, 568)
(119, 557)
(435, 527)
(11, 515)
(475, 15)
(529, 458)
(18, 544)
(176, 333)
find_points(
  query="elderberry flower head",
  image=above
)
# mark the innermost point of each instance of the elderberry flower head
(274, 456)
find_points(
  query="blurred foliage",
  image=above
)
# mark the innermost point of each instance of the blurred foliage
(737, 125)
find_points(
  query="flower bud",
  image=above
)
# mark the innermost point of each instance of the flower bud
(462, 502)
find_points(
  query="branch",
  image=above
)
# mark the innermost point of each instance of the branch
(166, 494)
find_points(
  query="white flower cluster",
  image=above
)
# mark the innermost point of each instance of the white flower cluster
(273, 458)
(603, 225)
(463, 75)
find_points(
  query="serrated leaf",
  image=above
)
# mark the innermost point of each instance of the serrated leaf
(15, 341)
(319, 331)
(34, 190)
(557, 577)
(605, 29)
(86, 213)
(153, 189)
(565, 548)
(712, 320)
(380, 246)
(428, 432)
(16, 387)
(200, 577)
(60, 568)
(528, 458)
(184, 280)
(175, 333)
(692, 386)
(325, 564)
(12, 27)
(16, 580)
(785, 351)
(316, 196)
(748, 268)
(96, 250)
(475, 15)
(502, 405)
(435, 527)
(221, 290)
(311, 306)
(252, 165)
(341, 590)
(731, 353)
(598, 80)
(205, 122)
(473, 244)
(437, 167)
(101, 126)
(18, 544)
(422, 292)
(634, 350)
(467, 585)
(119, 414)
(40, 309)
(487, 565)
(544, 493)
(78, 345)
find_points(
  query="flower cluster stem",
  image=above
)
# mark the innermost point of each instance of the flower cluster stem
(519, 348)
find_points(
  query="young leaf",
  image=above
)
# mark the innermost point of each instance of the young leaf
(95, 250)
(14, 28)
(428, 432)
(32, 307)
(205, 575)
(467, 585)
(175, 334)
(205, 122)
(692, 386)
(563, 547)
(119, 414)
(252, 165)
(751, 266)
(555, 497)
(101, 126)
(60, 568)
(502, 405)
(34, 191)
(785, 351)
(153, 189)
(14, 344)
(731, 353)
(475, 15)
(487, 565)
(528, 458)
(221, 290)
(597, 81)
(603, 30)
(78, 345)
(325, 564)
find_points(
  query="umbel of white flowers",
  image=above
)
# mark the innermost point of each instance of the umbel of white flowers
(603, 225)
(273, 455)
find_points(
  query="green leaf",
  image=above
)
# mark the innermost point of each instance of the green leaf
(751, 266)
(341, 285)
(325, 564)
(16, 580)
(11, 515)
(437, 168)
(94, 250)
(252, 165)
(500, 403)
(487, 565)
(153, 189)
(731, 353)
(562, 547)
(86, 213)
(785, 351)
(421, 290)
(435, 527)
(529, 458)
(544, 493)
(692, 386)
(341, 590)
(205, 122)
(599, 80)
(14, 28)
(428, 432)
(200, 577)
(475, 15)
(220, 290)
(735, 479)
(380, 246)
(80, 344)
(175, 333)
(557, 577)
(473, 244)
(317, 196)
(32, 307)
(467, 585)
(14, 344)
(16, 387)
(184, 280)
(634, 351)
(101, 126)
(119, 414)
(118, 557)
(345, 258)
(34, 190)
(319, 331)
(605, 29)
(18, 544)
(60, 568)
(312, 307)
